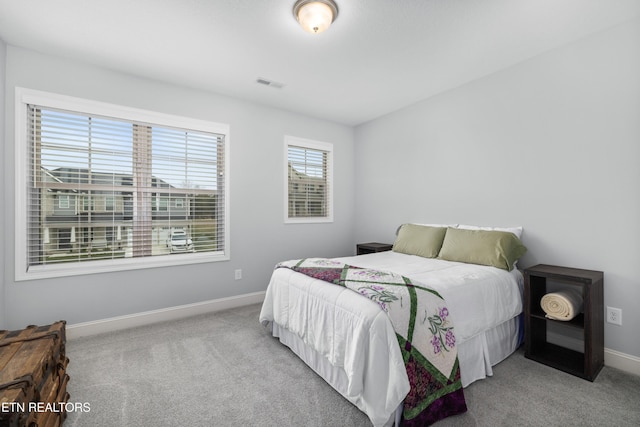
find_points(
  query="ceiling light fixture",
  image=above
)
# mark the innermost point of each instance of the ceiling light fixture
(315, 16)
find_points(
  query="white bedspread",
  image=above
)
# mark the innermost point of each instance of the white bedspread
(478, 297)
(354, 334)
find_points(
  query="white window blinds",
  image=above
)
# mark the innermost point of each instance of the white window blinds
(309, 181)
(108, 189)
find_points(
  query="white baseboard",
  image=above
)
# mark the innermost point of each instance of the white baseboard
(614, 359)
(622, 361)
(112, 324)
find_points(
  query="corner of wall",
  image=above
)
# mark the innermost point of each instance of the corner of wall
(3, 131)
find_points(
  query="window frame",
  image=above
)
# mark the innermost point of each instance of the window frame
(309, 144)
(25, 97)
(66, 198)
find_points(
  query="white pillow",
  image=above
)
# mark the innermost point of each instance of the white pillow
(429, 225)
(515, 230)
(437, 225)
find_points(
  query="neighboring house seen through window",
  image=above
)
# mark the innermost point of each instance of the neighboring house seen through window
(309, 180)
(126, 182)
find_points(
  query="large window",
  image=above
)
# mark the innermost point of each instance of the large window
(309, 180)
(103, 187)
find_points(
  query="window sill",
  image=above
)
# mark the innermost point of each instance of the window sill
(110, 266)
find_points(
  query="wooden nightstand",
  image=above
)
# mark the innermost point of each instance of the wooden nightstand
(369, 248)
(588, 363)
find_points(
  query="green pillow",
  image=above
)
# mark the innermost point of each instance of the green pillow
(420, 240)
(496, 248)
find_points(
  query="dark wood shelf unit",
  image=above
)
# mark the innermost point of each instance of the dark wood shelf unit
(369, 248)
(576, 322)
(564, 359)
(586, 364)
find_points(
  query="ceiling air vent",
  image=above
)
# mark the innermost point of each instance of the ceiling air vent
(268, 82)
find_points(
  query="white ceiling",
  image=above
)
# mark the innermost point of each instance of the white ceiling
(377, 57)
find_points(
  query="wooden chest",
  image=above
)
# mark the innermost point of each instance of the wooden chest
(33, 378)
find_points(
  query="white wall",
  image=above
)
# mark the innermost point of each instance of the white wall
(552, 144)
(259, 238)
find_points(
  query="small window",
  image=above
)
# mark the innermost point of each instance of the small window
(309, 180)
(88, 204)
(63, 201)
(109, 203)
(162, 204)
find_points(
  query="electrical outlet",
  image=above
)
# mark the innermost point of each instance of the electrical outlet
(238, 274)
(614, 315)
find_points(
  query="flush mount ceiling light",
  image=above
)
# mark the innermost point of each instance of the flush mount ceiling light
(315, 16)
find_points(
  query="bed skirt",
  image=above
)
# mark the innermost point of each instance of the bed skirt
(476, 355)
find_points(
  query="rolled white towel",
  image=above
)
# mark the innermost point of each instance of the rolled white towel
(562, 305)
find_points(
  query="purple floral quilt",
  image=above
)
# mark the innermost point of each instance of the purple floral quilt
(423, 328)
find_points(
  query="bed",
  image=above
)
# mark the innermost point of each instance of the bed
(350, 340)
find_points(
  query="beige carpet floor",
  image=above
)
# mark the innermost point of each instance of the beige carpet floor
(225, 369)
